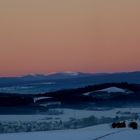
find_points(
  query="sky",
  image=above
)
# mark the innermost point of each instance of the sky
(43, 36)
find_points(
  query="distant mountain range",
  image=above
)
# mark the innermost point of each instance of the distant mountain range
(55, 76)
(63, 80)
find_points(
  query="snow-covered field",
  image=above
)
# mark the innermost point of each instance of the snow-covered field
(69, 119)
(99, 132)
(70, 113)
(127, 135)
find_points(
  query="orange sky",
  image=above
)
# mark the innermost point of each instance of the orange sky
(41, 36)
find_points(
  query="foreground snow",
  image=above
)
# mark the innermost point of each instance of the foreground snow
(100, 132)
(81, 134)
(89, 133)
(127, 135)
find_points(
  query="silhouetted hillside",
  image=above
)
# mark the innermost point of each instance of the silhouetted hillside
(90, 96)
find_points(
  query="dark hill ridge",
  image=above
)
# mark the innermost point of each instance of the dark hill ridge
(132, 87)
(75, 98)
(78, 98)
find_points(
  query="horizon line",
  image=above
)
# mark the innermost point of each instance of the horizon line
(51, 73)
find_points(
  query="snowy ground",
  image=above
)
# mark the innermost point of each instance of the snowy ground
(100, 132)
(127, 135)
(70, 113)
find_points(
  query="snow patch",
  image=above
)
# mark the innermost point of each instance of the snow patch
(113, 89)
